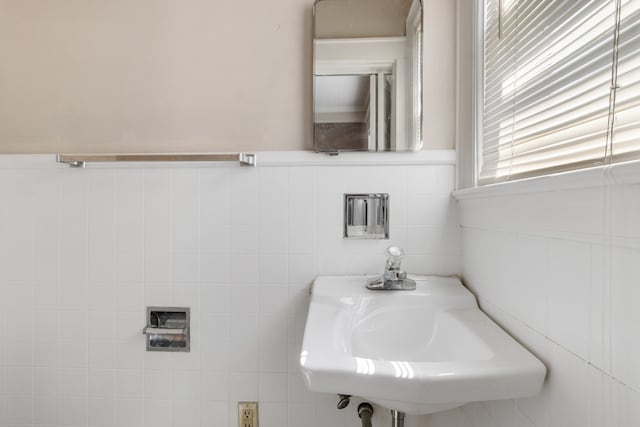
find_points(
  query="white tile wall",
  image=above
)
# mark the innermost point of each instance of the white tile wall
(559, 270)
(82, 252)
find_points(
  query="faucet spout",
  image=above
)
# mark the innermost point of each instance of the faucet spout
(393, 277)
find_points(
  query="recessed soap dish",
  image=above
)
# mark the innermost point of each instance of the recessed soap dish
(366, 216)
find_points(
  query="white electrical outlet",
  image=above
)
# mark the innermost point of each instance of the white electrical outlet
(247, 414)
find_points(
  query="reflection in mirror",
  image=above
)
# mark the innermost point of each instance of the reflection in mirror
(367, 85)
(351, 110)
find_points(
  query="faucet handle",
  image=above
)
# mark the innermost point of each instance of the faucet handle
(395, 255)
(395, 252)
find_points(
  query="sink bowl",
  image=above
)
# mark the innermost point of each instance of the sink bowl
(418, 352)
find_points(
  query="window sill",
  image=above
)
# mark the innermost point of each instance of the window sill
(619, 173)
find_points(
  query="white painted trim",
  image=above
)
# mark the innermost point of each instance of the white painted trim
(264, 159)
(457, 144)
(585, 178)
(619, 173)
(625, 172)
(477, 87)
(30, 161)
(308, 158)
(468, 90)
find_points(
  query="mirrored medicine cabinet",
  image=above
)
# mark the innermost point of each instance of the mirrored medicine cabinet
(367, 75)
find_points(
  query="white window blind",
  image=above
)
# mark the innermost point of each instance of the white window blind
(548, 70)
(626, 130)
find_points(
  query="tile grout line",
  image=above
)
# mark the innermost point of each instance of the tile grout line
(228, 280)
(59, 284)
(200, 284)
(33, 303)
(87, 187)
(117, 178)
(259, 187)
(317, 257)
(199, 302)
(144, 291)
(171, 284)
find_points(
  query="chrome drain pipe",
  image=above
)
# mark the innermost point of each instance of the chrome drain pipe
(397, 418)
(365, 411)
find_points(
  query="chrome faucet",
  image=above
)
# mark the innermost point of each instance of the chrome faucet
(393, 279)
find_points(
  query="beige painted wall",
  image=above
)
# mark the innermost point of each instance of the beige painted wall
(439, 127)
(178, 76)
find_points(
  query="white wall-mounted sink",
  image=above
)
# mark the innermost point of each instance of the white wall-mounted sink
(418, 351)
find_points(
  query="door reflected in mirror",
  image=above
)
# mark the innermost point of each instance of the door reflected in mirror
(367, 83)
(352, 112)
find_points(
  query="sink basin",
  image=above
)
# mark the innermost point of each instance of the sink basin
(418, 351)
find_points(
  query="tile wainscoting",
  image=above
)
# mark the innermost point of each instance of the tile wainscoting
(82, 252)
(556, 262)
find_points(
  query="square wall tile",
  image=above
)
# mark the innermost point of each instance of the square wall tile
(157, 210)
(215, 196)
(625, 269)
(569, 295)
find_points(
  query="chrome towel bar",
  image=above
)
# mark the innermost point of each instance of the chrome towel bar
(80, 160)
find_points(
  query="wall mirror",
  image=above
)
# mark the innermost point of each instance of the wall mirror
(367, 75)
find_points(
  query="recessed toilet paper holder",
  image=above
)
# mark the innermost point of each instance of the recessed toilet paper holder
(168, 328)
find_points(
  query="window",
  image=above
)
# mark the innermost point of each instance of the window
(556, 94)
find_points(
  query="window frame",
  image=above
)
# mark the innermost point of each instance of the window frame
(472, 152)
